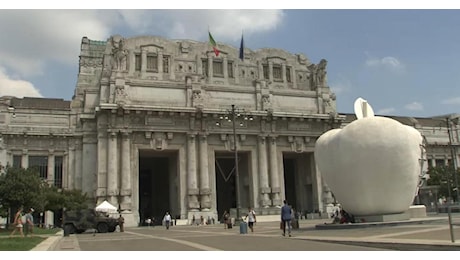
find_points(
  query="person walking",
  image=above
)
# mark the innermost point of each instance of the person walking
(286, 213)
(18, 225)
(29, 225)
(121, 223)
(167, 220)
(225, 219)
(251, 217)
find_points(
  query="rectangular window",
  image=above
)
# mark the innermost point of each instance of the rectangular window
(277, 74)
(288, 74)
(217, 68)
(440, 162)
(152, 63)
(41, 164)
(204, 66)
(17, 161)
(265, 68)
(230, 69)
(58, 171)
(165, 64)
(138, 62)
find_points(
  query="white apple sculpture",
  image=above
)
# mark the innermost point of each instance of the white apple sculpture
(371, 165)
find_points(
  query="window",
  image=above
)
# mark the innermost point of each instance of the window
(265, 69)
(137, 62)
(217, 68)
(440, 162)
(152, 63)
(230, 69)
(288, 74)
(17, 161)
(204, 66)
(58, 171)
(165, 64)
(41, 164)
(277, 74)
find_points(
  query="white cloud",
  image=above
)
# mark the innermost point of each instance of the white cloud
(414, 106)
(451, 101)
(386, 111)
(224, 25)
(388, 62)
(35, 37)
(16, 87)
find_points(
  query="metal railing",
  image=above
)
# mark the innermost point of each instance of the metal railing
(452, 223)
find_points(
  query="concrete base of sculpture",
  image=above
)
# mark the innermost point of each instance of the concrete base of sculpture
(417, 211)
(383, 217)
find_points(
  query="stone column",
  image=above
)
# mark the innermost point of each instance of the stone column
(274, 177)
(78, 164)
(205, 191)
(143, 62)
(210, 71)
(160, 64)
(225, 67)
(126, 189)
(71, 168)
(25, 159)
(112, 169)
(50, 178)
(270, 71)
(263, 173)
(283, 72)
(102, 145)
(192, 185)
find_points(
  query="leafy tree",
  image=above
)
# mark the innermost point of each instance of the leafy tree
(443, 176)
(57, 199)
(21, 187)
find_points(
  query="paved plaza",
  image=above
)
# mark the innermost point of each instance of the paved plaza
(431, 233)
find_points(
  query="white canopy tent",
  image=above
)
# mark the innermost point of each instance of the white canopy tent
(106, 207)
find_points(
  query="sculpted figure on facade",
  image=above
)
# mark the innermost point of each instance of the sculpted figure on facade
(321, 73)
(121, 97)
(119, 53)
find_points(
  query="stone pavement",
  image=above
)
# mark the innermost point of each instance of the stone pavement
(430, 233)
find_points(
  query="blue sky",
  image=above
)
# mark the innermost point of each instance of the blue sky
(403, 62)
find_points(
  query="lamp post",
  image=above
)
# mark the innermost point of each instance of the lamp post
(234, 114)
(237, 174)
(454, 157)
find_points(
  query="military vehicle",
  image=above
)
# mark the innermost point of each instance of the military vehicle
(78, 221)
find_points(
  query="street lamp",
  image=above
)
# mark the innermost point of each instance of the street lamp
(231, 116)
(454, 156)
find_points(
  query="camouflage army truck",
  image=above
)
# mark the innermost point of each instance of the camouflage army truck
(78, 221)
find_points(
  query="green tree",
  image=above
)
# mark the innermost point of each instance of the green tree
(57, 199)
(21, 187)
(443, 176)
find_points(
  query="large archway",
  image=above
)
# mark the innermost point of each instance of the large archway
(157, 195)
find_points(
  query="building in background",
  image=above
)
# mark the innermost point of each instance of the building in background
(151, 129)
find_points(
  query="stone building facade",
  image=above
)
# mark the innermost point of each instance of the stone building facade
(150, 128)
(152, 125)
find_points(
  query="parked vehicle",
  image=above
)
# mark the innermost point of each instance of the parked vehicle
(78, 221)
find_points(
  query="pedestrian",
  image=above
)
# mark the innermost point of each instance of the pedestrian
(251, 217)
(225, 219)
(148, 221)
(121, 223)
(286, 215)
(167, 220)
(193, 220)
(18, 225)
(29, 225)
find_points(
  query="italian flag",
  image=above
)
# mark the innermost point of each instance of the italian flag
(213, 44)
